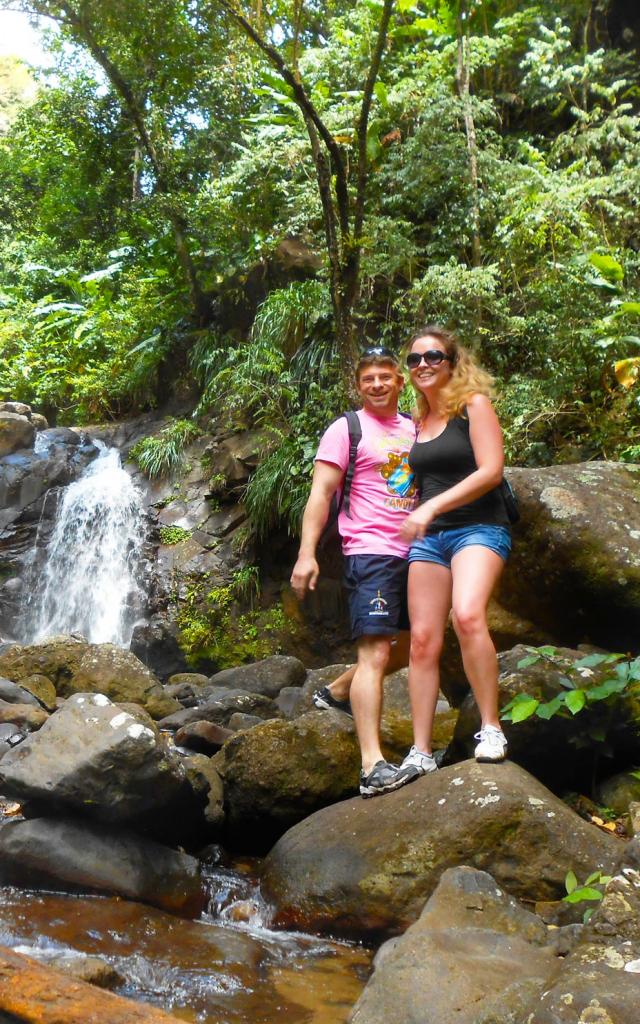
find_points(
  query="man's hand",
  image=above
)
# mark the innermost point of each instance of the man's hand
(415, 526)
(305, 575)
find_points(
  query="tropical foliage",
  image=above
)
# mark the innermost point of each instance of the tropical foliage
(217, 199)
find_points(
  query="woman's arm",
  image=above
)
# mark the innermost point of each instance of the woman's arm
(486, 440)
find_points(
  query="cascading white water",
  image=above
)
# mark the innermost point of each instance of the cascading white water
(88, 582)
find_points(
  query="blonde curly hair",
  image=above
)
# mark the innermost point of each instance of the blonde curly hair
(467, 377)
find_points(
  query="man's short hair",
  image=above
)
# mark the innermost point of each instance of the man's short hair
(374, 354)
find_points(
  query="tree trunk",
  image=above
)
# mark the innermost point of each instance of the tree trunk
(462, 82)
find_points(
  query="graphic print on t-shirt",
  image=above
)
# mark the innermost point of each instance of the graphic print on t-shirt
(398, 475)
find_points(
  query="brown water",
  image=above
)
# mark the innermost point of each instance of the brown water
(203, 971)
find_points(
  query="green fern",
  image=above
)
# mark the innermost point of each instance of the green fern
(163, 454)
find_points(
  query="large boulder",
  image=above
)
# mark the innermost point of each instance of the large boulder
(267, 677)
(218, 705)
(473, 955)
(96, 758)
(16, 431)
(277, 773)
(575, 570)
(85, 856)
(599, 981)
(559, 751)
(369, 865)
(76, 666)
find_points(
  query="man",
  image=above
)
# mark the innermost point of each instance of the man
(382, 495)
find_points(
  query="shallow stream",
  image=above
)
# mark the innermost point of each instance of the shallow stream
(210, 971)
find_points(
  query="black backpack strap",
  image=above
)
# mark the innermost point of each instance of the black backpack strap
(355, 435)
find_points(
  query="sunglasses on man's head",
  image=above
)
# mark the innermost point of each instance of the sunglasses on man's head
(433, 357)
(378, 351)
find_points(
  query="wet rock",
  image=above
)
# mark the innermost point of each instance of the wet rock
(35, 994)
(203, 737)
(90, 857)
(23, 715)
(18, 408)
(474, 955)
(91, 969)
(291, 701)
(554, 750)
(599, 981)
(634, 817)
(16, 432)
(368, 865)
(267, 677)
(576, 566)
(97, 759)
(42, 689)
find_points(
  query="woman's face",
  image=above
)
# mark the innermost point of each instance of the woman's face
(429, 375)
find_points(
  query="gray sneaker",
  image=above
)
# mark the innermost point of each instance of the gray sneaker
(385, 777)
(425, 763)
(325, 700)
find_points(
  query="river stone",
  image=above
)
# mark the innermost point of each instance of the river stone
(369, 865)
(218, 707)
(76, 666)
(474, 955)
(32, 992)
(619, 791)
(42, 689)
(19, 408)
(576, 564)
(108, 669)
(203, 737)
(15, 432)
(599, 982)
(554, 750)
(194, 679)
(279, 772)
(208, 786)
(98, 759)
(92, 969)
(24, 715)
(11, 693)
(93, 857)
(267, 677)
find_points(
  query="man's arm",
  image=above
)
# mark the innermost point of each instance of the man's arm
(327, 477)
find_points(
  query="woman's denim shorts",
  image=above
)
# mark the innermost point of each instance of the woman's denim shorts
(442, 546)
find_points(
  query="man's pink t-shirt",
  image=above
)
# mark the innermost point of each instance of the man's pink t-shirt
(383, 491)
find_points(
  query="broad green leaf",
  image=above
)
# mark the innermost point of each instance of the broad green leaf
(382, 95)
(551, 708)
(610, 269)
(548, 651)
(575, 701)
(590, 660)
(570, 882)
(529, 660)
(584, 892)
(524, 709)
(605, 689)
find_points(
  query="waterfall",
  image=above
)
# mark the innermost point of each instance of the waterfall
(88, 583)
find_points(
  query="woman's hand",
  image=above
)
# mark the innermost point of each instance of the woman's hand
(415, 525)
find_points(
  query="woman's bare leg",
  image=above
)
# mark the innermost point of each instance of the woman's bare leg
(429, 604)
(475, 571)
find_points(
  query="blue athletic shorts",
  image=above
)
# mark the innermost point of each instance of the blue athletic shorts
(377, 591)
(442, 546)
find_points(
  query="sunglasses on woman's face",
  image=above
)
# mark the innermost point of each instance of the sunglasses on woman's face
(433, 357)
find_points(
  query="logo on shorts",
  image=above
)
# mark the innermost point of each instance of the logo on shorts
(378, 605)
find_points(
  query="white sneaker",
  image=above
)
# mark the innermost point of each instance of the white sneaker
(492, 745)
(417, 759)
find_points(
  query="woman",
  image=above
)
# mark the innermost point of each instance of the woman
(460, 534)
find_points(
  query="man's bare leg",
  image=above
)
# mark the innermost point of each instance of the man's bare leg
(398, 658)
(366, 696)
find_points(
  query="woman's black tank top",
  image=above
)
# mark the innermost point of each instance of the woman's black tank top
(445, 461)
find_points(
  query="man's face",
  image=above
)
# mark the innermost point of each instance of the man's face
(379, 387)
